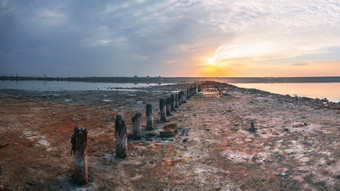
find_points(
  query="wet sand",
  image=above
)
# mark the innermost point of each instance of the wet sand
(296, 145)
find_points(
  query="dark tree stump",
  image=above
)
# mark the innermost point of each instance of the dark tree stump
(79, 151)
(184, 97)
(162, 109)
(199, 88)
(149, 117)
(252, 127)
(176, 100)
(136, 126)
(168, 106)
(172, 102)
(179, 98)
(121, 137)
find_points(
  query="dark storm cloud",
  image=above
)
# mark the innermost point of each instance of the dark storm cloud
(94, 37)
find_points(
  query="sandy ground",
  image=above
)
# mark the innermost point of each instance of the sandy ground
(296, 145)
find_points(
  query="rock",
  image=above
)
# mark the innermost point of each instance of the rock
(171, 126)
(167, 133)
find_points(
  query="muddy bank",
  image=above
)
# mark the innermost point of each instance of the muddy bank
(295, 146)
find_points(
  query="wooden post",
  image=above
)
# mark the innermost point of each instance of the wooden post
(162, 109)
(252, 127)
(188, 94)
(121, 137)
(179, 98)
(136, 126)
(172, 102)
(185, 96)
(149, 117)
(176, 100)
(79, 151)
(168, 107)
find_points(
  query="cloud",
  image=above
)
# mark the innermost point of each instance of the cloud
(299, 64)
(51, 17)
(147, 37)
(277, 29)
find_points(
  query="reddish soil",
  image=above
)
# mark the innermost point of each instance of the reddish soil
(296, 145)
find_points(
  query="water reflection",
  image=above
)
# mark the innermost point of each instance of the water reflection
(66, 85)
(331, 91)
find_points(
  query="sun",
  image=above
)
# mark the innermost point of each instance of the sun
(212, 61)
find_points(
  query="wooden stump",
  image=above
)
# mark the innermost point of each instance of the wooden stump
(136, 126)
(79, 151)
(176, 100)
(149, 117)
(252, 127)
(199, 88)
(121, 137)
(168, 106)
(172, 102)
(184, 97)
(162, 109)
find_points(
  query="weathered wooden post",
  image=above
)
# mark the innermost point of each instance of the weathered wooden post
(136, 126)
(168, 107)
(183, 97)
(252, 127)
(172, 102)
(121, 137)
(162, 109)
(188, 94)
(176, 100)
(79, 151)
(149, 117)
(179, 98)
(199, 87)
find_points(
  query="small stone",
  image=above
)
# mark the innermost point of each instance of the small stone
(171, 126)
(167, 133)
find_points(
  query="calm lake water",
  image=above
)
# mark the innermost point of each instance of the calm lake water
(331, 91)
(64, 85)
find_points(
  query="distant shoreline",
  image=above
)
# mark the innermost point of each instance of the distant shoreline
(179, 79)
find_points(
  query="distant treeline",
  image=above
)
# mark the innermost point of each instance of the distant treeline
(179, 79)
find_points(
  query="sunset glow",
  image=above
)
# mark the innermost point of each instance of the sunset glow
(222, 38)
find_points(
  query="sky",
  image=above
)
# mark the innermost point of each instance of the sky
(224, 38)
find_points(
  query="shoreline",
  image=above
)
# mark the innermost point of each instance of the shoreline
(295, 145)
(318, 103)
